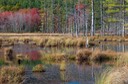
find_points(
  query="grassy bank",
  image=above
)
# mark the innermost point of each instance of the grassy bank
(45, 41)
(56, 40)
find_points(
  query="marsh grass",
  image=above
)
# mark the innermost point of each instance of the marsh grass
(55, 41)
(9, 54)
(63, 66)
(56, 57)
(11, 74)
(116, 75)
(99, 55)
(108, 38)
(48, 41)
(95, 55)
(71, 57)
(83, 54)
(38, 68)
(122, 59)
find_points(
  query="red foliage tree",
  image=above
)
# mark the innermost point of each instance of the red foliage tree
(34, 55)
(80, 6)
(24, 19)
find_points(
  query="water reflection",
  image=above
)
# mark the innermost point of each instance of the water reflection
(75, 73)
(119, 47)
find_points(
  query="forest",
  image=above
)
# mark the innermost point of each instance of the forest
(105, 17)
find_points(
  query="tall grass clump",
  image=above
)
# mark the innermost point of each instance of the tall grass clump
(70, 42)
(122, 59)
(11, 74)
(52, 42)
(83, 54)
(55, 57)
(99, 55)
(9, 54)
(96, 55)
(38, 68)
(63, 66)
(116, 75)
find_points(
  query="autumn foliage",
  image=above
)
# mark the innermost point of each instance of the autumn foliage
(34, 55)
(24, 20)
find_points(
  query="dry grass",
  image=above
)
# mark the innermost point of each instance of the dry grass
(117, 74)
(122, 60)
(99, 55)
(83, 54)
(114, 76)
(47, 41)
(8, 54)
(60, 40)
(71, 57)
(38, 68)
(56, 57)
(96, 55)
(108, 38)
(63, 66)
(11, 74)
(21, 57)
(41, 42)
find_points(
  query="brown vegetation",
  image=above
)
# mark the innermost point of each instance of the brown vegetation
(57, 40)
(63, 66)
(83, 54)
(108, 38)
(96, 55)
(38, 68)
(114, 76)
(8, 54)
(48, 41)
(56, 57)
(99, 55)
(11, 74)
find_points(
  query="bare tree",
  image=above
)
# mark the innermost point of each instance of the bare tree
(92, 23)
(123, 22)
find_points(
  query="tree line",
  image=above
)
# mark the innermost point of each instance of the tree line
(104, 17)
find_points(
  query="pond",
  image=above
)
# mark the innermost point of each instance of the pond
(75, 73)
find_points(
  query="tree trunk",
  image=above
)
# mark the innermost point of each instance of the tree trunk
(92, 23)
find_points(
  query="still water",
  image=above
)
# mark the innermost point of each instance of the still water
(75, 73)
